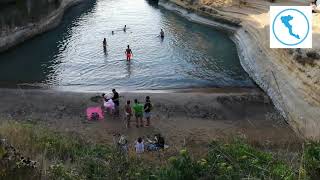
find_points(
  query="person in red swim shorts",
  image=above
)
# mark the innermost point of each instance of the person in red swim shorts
(128, 53)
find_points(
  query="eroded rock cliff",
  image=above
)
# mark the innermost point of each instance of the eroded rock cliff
(21, 20)
(291, 77)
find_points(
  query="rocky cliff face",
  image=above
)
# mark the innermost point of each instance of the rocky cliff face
(21, 20)
(290, 77)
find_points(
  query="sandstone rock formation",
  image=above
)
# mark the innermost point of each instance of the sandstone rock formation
(21, 20)
(291, 77)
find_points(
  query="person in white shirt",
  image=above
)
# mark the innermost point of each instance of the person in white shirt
(139, 146)
(108, 104)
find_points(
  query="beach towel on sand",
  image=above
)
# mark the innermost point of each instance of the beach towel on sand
(94, 113)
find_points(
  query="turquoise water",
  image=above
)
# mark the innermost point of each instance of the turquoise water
(71, 57)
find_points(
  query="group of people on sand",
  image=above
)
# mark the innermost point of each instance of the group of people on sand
(128, 51)
(139, 110)
(141, 144)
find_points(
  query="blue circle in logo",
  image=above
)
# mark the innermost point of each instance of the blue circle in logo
(308, 29)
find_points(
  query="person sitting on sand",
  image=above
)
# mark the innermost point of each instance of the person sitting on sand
(123, 145)
(128, 113)
(157, 144)
(147, 110)
(138, 112)
(139, 146)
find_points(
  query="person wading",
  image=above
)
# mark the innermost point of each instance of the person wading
(129, 53)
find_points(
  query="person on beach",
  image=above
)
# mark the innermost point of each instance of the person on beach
(139, 146)
(125, 28)
(129, 53)
(156, 144)
(128, 113)
(123, 145)
(147, 110)
(138, 112)
(109, 105)
(161, 34)
(115, 99)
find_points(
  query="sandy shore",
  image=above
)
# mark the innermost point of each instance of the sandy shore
(185, 118)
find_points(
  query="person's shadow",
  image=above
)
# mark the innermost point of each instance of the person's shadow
(128, 69)
(105, 50)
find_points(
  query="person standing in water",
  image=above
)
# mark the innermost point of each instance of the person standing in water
(125, 28)
(128, 53)
(104, 46)
(104, 42)
(161, 34)
(112, 32)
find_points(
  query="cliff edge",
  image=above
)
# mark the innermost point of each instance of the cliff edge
(22, 20)
(291, 77)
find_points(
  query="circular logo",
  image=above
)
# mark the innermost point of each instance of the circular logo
(290, 27)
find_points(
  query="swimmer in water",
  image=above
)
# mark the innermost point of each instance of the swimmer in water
(104, 42)
(128, 53)
(161, 34)
(125, 28)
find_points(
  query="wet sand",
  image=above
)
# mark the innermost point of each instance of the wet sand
(189, 118)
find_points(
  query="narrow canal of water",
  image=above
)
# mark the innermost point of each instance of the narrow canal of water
(71, 57)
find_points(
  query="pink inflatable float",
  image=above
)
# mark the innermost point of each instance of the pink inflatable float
(94, 113)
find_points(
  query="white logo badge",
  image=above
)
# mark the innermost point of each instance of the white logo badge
(290, 27)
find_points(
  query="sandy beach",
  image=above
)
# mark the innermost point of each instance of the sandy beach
(189, 118)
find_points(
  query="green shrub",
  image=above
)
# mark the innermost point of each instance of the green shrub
(236, 160)
(312, 159)
(240, 160)
(181, 167)
(59, 171)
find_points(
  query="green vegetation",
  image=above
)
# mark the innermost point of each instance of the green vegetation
(68, 156)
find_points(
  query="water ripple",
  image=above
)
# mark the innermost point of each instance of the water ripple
(71, 56)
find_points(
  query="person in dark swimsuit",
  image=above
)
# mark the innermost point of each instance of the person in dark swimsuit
(104, 42)
(125, 28)
(161, 34)
(147, 110)
(115, 99)
(128, 53)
